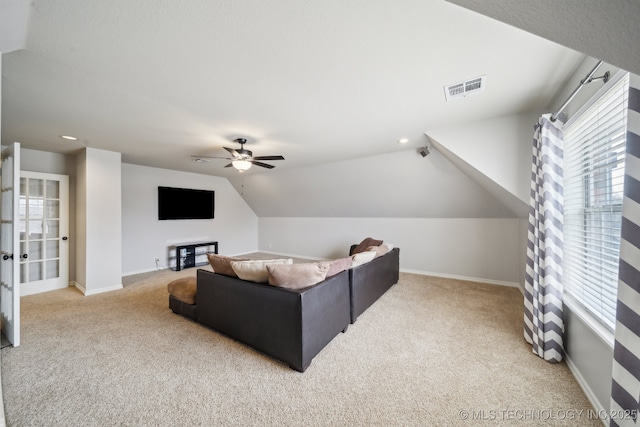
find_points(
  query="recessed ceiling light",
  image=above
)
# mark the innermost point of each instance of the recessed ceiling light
(70, 138)
(403, 141)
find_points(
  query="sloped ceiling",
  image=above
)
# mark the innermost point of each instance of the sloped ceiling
(317, 82)
(607, 30)
(396, 185)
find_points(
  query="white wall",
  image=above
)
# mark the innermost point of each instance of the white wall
(144, 237)
(98, 224)
(481, 249)
(81, 220)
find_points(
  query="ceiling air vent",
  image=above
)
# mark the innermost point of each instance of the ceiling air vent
(462, 89)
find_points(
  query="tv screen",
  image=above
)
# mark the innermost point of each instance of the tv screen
(185, 203)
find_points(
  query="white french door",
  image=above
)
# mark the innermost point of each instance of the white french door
(44, 228)
(9, 244)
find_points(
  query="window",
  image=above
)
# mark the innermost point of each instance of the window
(593, 190)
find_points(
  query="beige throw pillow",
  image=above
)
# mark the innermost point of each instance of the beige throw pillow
(339, 265)
(222, 264)
(297, 276)
(362, 258)
(256, 271)
(381, 250)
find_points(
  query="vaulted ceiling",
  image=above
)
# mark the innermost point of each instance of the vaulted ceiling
(316, 82)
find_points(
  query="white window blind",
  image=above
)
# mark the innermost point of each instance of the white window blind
(593, 191)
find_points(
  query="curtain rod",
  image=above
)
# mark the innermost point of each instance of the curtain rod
(588, 79)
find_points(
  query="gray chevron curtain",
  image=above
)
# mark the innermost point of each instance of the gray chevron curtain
(543, 325)
(625, 386)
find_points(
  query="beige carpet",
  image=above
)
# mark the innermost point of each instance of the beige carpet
(426, 352)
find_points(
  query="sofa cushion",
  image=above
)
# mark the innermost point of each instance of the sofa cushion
(362, 246)
(381, 250)
(339, 265)
(297, 276)
(256, 270)
(362, 258)
(184, 289)
(222, 264)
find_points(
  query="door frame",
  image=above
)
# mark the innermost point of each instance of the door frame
(26, 289)
(10, 267)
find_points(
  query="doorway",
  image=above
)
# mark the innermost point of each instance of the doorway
(44, 228)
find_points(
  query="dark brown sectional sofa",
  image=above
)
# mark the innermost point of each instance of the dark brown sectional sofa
(291, 325)
(370, 281)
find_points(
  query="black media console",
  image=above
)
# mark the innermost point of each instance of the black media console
(190, 254)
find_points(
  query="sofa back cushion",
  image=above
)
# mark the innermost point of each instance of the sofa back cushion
(256, 270)
(222, 264)
(339, 265)
(297, 276)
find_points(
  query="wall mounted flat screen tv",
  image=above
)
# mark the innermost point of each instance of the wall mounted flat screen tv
(185, 203)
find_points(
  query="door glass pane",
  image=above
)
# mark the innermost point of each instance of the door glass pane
(23, 198)
(35, 229)
(53, 249)
(53, 229)
(35, 271)
(36, 208)
(23, 230)
(53, 209)
(36, 187)
(35, 250)
(53, 189)
(23, 273)
(53, 269)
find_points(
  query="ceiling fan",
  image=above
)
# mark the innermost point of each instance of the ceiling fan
(241, 159)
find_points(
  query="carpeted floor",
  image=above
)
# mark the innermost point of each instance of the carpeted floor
(431, 351)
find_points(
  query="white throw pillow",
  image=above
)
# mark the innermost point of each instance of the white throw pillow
(362, 258)
(256, 270)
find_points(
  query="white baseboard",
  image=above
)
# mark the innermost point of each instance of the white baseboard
(597, 406)
(131, 273)
(96, 291)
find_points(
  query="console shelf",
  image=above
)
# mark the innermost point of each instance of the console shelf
(190, 254)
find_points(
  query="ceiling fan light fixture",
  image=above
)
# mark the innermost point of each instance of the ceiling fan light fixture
(241, 165)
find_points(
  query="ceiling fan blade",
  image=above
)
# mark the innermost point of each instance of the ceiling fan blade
(264, 165)
(229, 165)
(233, 152)
(209, 157)
(268, 158)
